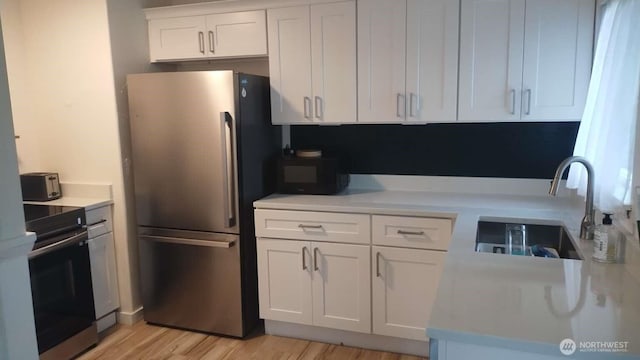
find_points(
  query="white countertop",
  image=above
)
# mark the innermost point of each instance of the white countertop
(87, 203)
(522, 303)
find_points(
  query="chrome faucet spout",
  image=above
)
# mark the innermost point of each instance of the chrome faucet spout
(588, 221)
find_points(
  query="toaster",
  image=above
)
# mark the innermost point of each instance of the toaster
(40, 186)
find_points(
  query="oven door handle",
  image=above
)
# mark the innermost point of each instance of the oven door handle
(59, 245)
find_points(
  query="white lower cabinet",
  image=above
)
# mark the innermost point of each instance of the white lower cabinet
(284, 280)
(365, 273)
(104, 274)
(341, 286)
(403, 290)
(315, 283)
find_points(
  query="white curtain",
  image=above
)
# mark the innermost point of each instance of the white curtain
(608, 129)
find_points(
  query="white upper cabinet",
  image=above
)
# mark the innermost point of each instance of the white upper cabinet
(381, 60)
(333, 62)
(432, 60)
(524, 59)
(407, 61)
(558, 42)
(290, 65)
(312, 63)
(491, 47)
(239, 34)
(177, 38)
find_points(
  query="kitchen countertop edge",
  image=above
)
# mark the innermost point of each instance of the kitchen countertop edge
(86, 203)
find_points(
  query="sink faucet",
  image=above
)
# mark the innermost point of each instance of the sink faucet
(588, 221)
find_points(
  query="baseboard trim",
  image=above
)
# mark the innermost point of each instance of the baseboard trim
(130, 318)
(347, 338)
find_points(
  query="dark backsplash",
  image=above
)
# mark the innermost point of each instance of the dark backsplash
(505, 150)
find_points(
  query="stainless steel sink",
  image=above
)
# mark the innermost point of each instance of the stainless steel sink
(491, 237)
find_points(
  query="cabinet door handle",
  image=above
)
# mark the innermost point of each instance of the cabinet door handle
(513, 101)
(212, 46)
(412, 103)
(201, 41)
(404, 232)
(378, 264)
(528, 96)
(304, 258)
(315, 259)
(400, 99)
(307, 107)
(318, 107)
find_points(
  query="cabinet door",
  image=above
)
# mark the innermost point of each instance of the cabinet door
(491, 50)
(333, 59)
(381, 61)
(557, 58)
(290, 65)
(342, 286)
(177, 38)
(432, 60)
(404, 290)
(284, 280)
(104, 274)
(237, 34)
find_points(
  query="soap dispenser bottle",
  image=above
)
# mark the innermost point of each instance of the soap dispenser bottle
(606, 241)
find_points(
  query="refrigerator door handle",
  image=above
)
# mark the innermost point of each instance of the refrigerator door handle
(227, 151)
(194, 242)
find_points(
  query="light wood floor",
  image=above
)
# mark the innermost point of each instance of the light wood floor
(143, 341)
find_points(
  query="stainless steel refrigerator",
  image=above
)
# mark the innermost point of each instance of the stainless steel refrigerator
(202, 144)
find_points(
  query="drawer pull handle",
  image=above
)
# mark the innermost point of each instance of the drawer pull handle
(304, 258)
(303, 226)
(378, 264)
(97, 225)
(102, 221)
(315, 259)
(404, 232)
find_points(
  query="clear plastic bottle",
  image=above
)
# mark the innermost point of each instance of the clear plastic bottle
(607, 241)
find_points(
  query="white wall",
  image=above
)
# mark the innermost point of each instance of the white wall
(17, 329)
(61, 79)
(11, 214)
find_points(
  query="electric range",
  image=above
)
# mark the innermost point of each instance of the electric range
(61, 288)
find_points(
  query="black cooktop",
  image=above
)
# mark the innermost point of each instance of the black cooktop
(51, 220)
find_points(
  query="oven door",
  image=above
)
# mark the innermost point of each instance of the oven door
(61, 289)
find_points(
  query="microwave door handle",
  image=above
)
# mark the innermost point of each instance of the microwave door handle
(227, 168)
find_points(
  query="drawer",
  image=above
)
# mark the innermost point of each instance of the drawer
(413, 232)
(315, 226)
(99, 221)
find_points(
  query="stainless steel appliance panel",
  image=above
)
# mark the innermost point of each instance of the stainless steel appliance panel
(191, 280)
(183, 142)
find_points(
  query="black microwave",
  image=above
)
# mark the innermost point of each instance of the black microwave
(315, 176)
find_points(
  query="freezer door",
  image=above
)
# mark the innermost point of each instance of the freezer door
(182, 135)
(191, 280)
